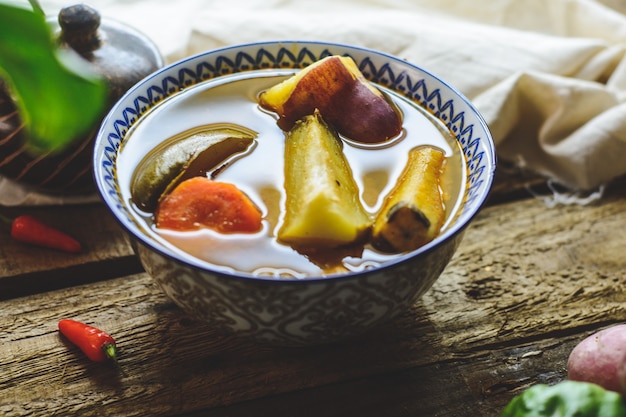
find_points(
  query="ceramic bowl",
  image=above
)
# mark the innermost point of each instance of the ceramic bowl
(316, 309)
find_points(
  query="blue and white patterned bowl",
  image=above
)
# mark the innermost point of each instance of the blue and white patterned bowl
(316, 309)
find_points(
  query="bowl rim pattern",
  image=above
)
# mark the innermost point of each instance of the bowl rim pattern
(435, 95)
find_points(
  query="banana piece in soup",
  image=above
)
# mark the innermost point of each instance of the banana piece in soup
(322, 204)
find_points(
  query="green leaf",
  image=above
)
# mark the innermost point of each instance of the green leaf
(58, 98)
(566, 399)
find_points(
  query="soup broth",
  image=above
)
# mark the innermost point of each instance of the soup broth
(232, 100)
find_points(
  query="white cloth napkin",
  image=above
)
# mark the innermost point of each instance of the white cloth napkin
(548, 76)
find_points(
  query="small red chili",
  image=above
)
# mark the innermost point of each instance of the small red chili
(29, 229)
(99, 346)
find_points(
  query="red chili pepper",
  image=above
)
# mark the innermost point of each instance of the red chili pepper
(29, 229)
(96, 344)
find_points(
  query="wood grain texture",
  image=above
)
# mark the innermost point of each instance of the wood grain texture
(106, 251)
(527, 284)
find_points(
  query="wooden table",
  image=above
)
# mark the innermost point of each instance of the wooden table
(528, 282)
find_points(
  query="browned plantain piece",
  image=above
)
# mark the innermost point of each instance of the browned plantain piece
(413, 212)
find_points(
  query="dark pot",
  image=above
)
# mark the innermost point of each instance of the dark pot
(121, 55)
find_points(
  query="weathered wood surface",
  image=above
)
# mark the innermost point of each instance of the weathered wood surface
(527, 283)
(106, 251)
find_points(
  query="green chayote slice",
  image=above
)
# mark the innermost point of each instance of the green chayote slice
(566, 399)
(190, 153)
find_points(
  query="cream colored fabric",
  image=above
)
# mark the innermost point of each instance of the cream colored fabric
(548, 76)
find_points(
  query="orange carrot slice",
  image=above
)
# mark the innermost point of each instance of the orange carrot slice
(200, 202)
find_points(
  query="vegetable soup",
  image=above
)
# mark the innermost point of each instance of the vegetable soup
(258, 169)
